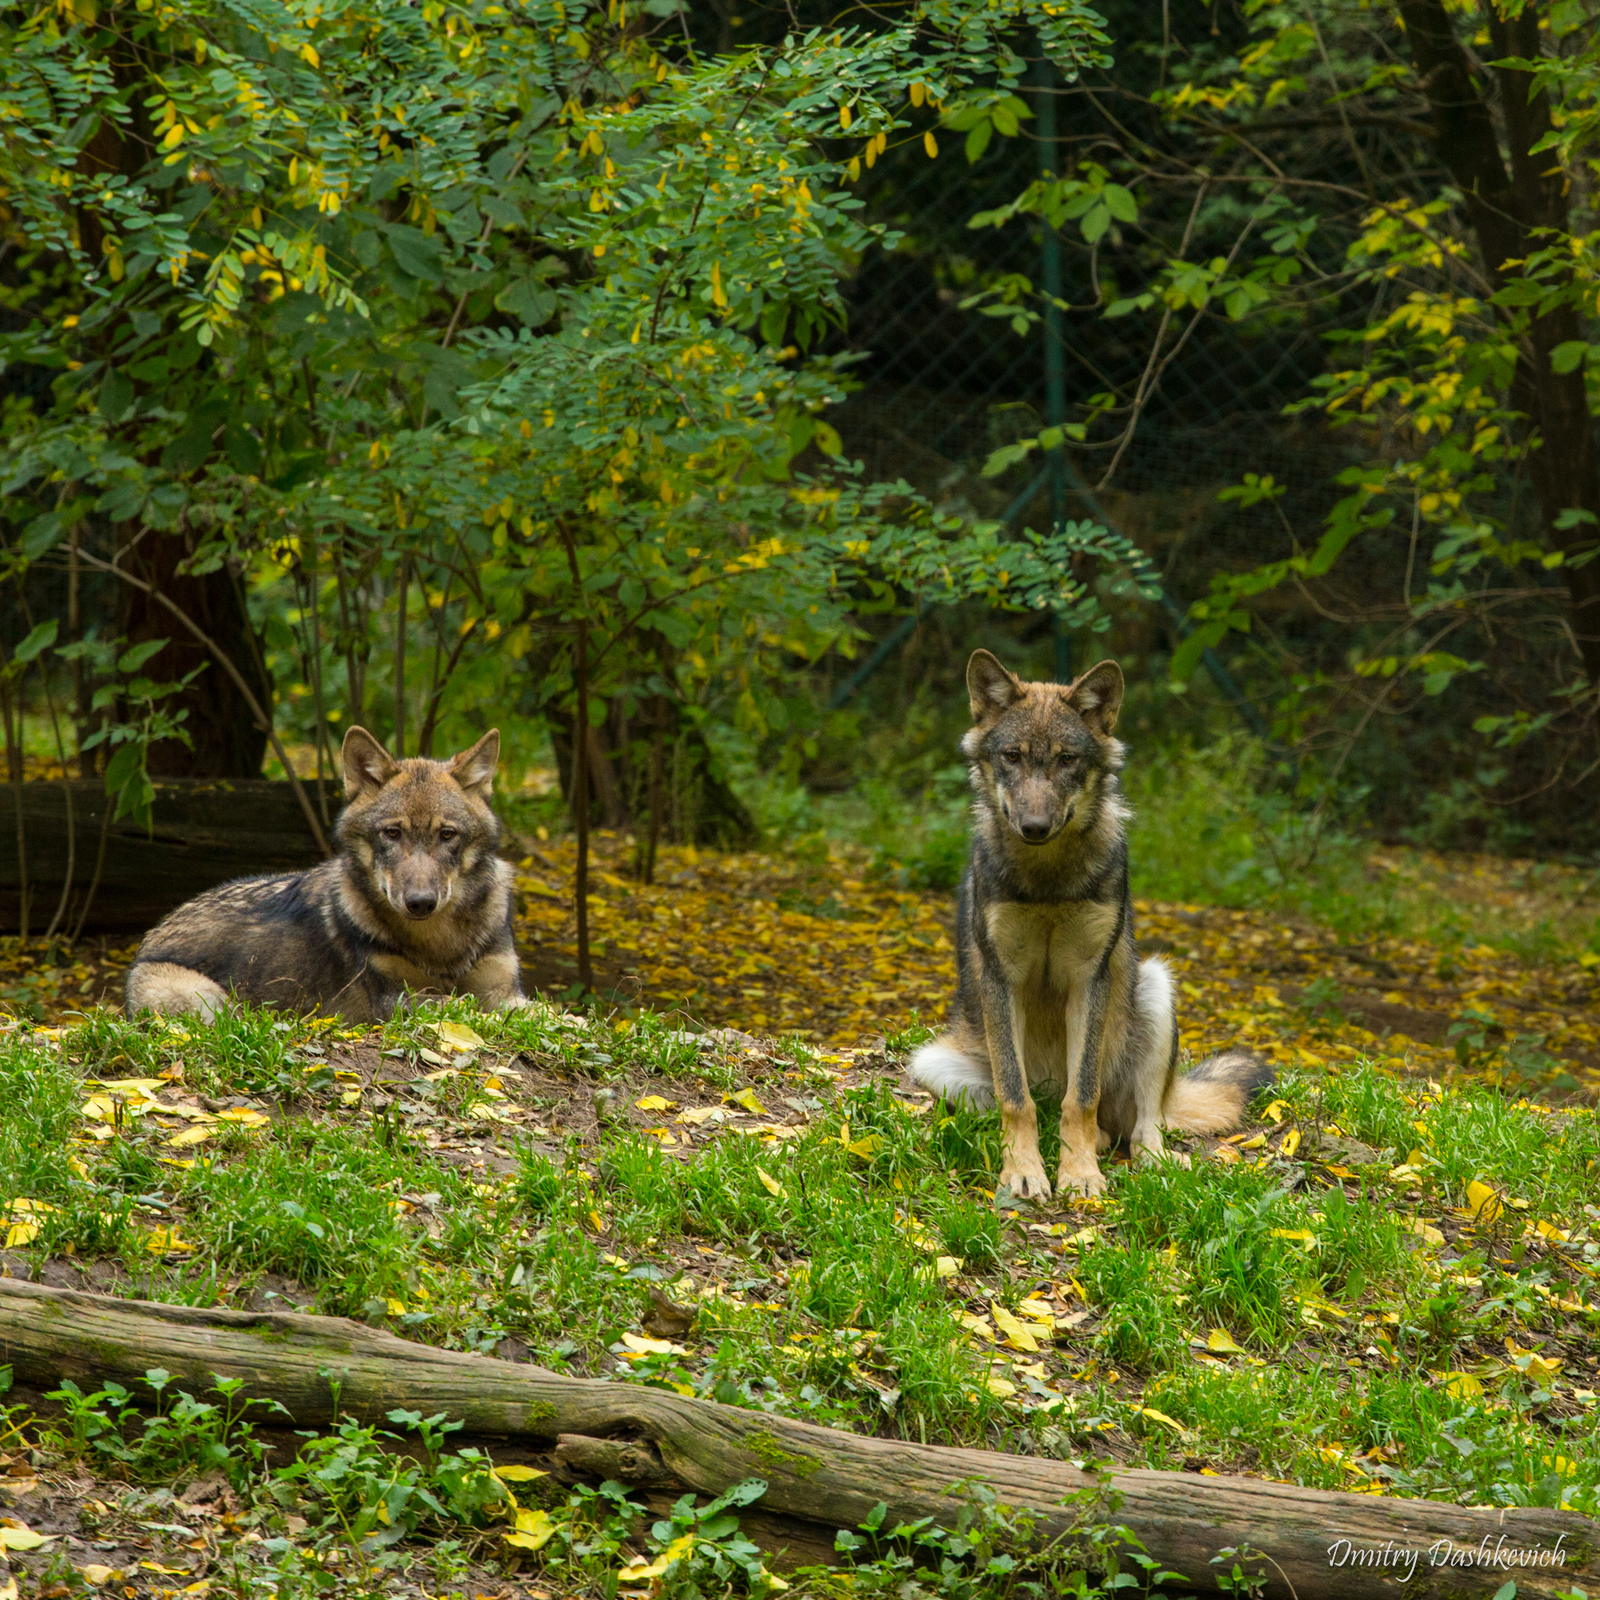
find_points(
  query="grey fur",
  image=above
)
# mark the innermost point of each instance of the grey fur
(415, 898)
(1050, 988)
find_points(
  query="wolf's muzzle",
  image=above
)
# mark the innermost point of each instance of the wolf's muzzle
(421, 903)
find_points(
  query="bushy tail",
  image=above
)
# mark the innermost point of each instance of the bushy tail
(1211, 1096)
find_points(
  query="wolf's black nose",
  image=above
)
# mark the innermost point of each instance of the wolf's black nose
(1036, 832)
(421, 902)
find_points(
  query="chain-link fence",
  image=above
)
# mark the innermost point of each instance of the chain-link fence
(943, 384)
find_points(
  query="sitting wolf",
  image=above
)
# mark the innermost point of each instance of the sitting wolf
(416, 897)
(1050, 989)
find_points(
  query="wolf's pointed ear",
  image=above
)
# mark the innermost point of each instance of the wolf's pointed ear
(367, 765)
(990, 688)
(474, 769)
(1097, 695)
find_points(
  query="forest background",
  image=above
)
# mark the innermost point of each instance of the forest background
(624, 376)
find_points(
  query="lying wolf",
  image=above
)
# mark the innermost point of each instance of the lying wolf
(1050, 989)
(415, 898)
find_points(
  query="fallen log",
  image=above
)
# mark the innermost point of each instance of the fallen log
(202, 832)
(1321, 1545)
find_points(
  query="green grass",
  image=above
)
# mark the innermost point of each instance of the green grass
(1262, 1315)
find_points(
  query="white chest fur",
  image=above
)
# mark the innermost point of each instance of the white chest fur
(1057, 947)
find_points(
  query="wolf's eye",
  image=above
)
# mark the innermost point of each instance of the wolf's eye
(393, 831)
(447, 834)
(1011, 757)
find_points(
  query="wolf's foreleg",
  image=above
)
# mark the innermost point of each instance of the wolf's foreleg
(1021, 1166)
(496, 981)
(1080, 1123)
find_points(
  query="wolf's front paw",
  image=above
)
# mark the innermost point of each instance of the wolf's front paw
(1024, 1181)
(1083, 1178)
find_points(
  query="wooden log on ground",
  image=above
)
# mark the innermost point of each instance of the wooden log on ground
(1328, 1546)
(203, 832)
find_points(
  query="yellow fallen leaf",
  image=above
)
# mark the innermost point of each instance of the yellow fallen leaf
(1017, 1336)
(21, 1233)
(533, 1530)
(169, 1572)
(1162, 1417)
(1276, 1110)
(1304, 1235)
(1254, 1143)
(1000, 1387)
(395, 1308)
(245, 1116)
(517, 1473)
(701, 1115)
(1220, 1340)
(1482, 1201)
(597, 1222)
(1430, 1234)
(642, 1572)
(21, 1538)
(770, 1184)
(1291, 1142)
(1539, 1369)
(866, 1148)
(1548, 1230)
(350, 1097)
(165, 1241)
(1460, 1385)
(639, 1345)
(654, 1102)
(198, 1134)
(459, 1036)
(663, 1136)
(94, 1574)
(747, 1099)
(947, 1266)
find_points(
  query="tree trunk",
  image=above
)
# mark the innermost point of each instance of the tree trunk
(1506, 207)
(226, 740)
(698, 805)
(818, 1476)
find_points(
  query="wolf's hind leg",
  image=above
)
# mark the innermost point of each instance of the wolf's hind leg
(166, 987)
(1153, 1050)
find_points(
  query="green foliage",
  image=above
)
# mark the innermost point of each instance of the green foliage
(484, 324)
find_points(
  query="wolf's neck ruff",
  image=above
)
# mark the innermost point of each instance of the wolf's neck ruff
(1050, 988)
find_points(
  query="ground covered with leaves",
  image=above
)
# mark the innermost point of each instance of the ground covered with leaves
(721, 1181)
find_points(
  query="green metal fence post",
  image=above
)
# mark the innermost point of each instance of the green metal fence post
(1055, 365)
